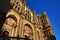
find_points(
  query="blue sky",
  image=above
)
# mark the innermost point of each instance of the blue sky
(52, 8)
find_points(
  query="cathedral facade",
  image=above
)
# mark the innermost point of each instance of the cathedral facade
(22, 21)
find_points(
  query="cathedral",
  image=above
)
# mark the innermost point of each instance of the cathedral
(18, 19)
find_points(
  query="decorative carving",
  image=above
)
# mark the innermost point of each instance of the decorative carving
(11, 22)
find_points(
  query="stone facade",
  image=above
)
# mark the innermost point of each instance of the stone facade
(22, 21)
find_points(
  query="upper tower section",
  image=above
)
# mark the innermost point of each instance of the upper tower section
(44, 19)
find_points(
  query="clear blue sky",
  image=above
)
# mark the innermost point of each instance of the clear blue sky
(52, 8)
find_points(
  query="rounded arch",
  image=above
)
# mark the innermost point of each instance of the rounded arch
(28, 26)
(11, 19)
(5, 33)
(10, 24)
(28, 31)
(12, 16)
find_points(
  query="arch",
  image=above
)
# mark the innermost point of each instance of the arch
(5, 33)
(13, 20)
(28, 26)
(10, 24)
(12, 16)
(28, 31)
